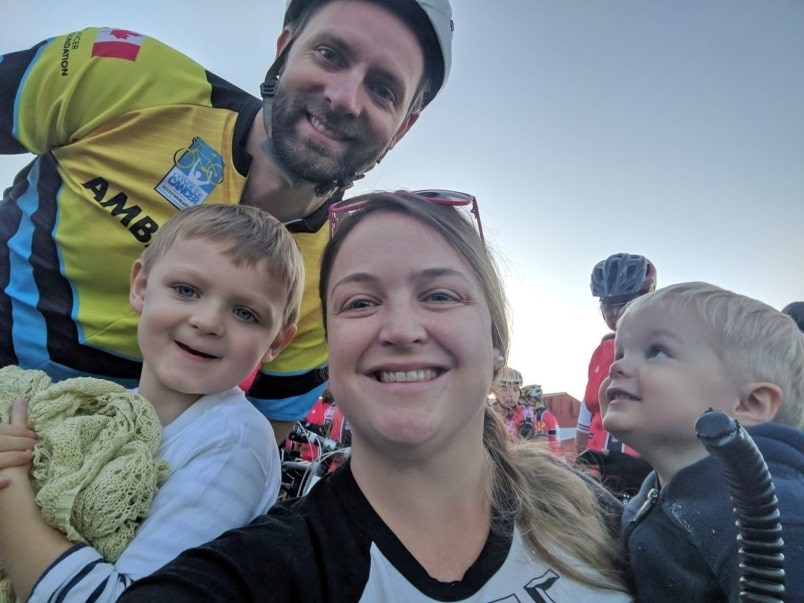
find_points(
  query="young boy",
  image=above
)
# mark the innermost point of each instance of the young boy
(218, 292)
(679, 351)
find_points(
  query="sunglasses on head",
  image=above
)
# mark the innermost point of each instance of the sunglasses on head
(341, 209)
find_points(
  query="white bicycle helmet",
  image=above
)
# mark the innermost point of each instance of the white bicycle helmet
(509, 377)
(533, 392)
(417, 14)
(429, 20)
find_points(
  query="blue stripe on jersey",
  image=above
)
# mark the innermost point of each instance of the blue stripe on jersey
(29, 331)
(292, 408)
(15, 121)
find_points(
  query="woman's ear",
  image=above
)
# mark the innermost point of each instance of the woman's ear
(759, 403)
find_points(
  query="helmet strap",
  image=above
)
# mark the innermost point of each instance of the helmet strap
(268, 90)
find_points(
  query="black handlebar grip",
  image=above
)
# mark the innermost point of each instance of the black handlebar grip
(756, 507)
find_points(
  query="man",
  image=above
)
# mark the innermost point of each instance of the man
(128, 131)
(615, 280)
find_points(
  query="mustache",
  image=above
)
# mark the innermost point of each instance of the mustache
(343, 123)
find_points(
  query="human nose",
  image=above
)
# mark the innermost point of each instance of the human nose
(344, 91)
(621, 367)
(206, 317)
(402, 326)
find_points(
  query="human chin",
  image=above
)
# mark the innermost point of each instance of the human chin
(615, 421)
(317, 162)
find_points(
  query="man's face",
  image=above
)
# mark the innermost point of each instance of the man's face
(611, 312)
(344, 95)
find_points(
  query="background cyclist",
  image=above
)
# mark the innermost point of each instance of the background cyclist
(507, 389)
(535, 421)
(616, 280)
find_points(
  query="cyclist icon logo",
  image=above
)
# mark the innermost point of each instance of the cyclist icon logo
(196, 172)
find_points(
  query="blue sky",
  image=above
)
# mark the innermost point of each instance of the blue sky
(670, 128)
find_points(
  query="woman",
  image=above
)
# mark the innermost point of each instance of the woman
(435, 504)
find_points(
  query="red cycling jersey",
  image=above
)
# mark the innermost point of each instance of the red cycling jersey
(531, 423)
(325, 419)
(601, 361)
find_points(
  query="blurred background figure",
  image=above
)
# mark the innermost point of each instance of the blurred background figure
(616, 280)
(796, 311)
(506, 391)
(537, 422)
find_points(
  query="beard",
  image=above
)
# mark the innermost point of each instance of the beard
(312, 160)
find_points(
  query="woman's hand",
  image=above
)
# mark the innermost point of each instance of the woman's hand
(16, 442)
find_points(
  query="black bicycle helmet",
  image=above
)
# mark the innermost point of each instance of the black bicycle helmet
(623, 276)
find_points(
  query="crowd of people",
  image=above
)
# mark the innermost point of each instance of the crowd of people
(523, 411)
(225, 277)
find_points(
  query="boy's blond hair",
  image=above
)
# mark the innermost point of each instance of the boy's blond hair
(254, 236)
(753, 340)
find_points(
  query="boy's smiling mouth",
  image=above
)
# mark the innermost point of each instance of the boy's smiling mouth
(194, 352)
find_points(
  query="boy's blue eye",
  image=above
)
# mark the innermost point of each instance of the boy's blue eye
(657, 351)
(245, 314)
(184, 290)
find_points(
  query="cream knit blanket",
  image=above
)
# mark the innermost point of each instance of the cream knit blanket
(94, 469)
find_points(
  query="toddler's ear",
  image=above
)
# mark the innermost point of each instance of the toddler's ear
(136, 293)
(282, 339)
(759, 403)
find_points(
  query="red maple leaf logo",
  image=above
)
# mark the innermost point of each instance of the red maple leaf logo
(123, 34)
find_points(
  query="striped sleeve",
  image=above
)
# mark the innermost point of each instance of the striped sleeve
(80, 574)
(224, 472)
(584, 418)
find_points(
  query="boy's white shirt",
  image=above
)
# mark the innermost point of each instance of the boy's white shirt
(224, 472)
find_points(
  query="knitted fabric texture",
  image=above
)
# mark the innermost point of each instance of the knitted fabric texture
(94, 470)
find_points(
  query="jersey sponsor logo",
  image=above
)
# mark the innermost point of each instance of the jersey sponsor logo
(117, 44)
(196, 171)
(71, 42)
(130, 215)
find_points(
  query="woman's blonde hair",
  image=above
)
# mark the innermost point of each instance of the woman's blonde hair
(755, 341)
(254, 236)
(555, 508)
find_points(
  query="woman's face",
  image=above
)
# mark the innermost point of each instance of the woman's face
(409, 333)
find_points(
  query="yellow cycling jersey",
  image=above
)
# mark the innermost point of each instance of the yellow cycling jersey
(126, 131)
